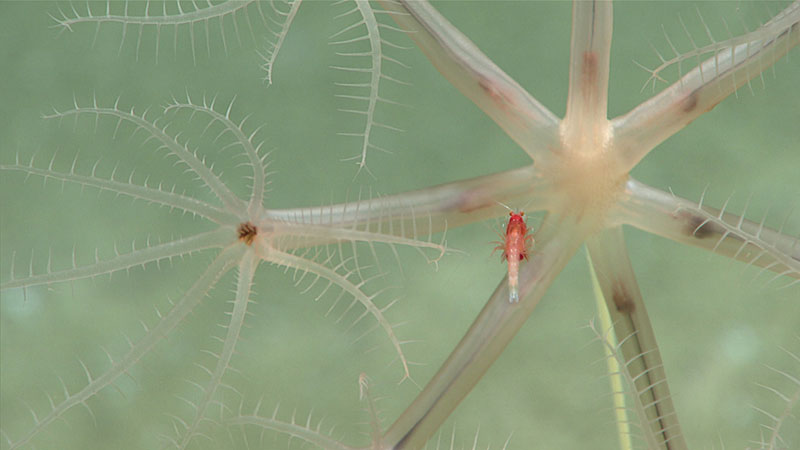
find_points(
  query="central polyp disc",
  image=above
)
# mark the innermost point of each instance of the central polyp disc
(589, 175)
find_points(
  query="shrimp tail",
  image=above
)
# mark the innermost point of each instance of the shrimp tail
(513, 278)
(513, 294)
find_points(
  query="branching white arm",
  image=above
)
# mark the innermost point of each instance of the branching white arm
(156, 195)
(126, 261)
(733, 63)
(696, 224)
(247, 268)
(183, 153)
(637, 342)
(445, 206)
(498, 322)
(590, 52)
(224, 262)
(527, 121)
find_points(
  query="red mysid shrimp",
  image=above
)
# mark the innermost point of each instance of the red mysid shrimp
(515, 247)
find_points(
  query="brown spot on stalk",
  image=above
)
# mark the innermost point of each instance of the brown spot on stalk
(699, 227)
(689, 103)
(247, 232)
(495, 93)
(589, 74)
(472, 200)
(622, 300)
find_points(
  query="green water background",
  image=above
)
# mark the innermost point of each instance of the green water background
(716, 326)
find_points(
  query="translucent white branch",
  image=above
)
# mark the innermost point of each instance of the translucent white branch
(185, 246)
(375, 428)
(197, 166)
(617, 377)
(733, 63)
(498, 322)
(527, 121)
(444, 206)
(297, 235)
(157, 15)
(376, 71)
(342, 281)
(247, 268)
(245, 140)
(699, 225)
(183, 17)
(224, 262)
(303, 432)
(273, 46)
(590, 50)
(637, 343)
(146, 193)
